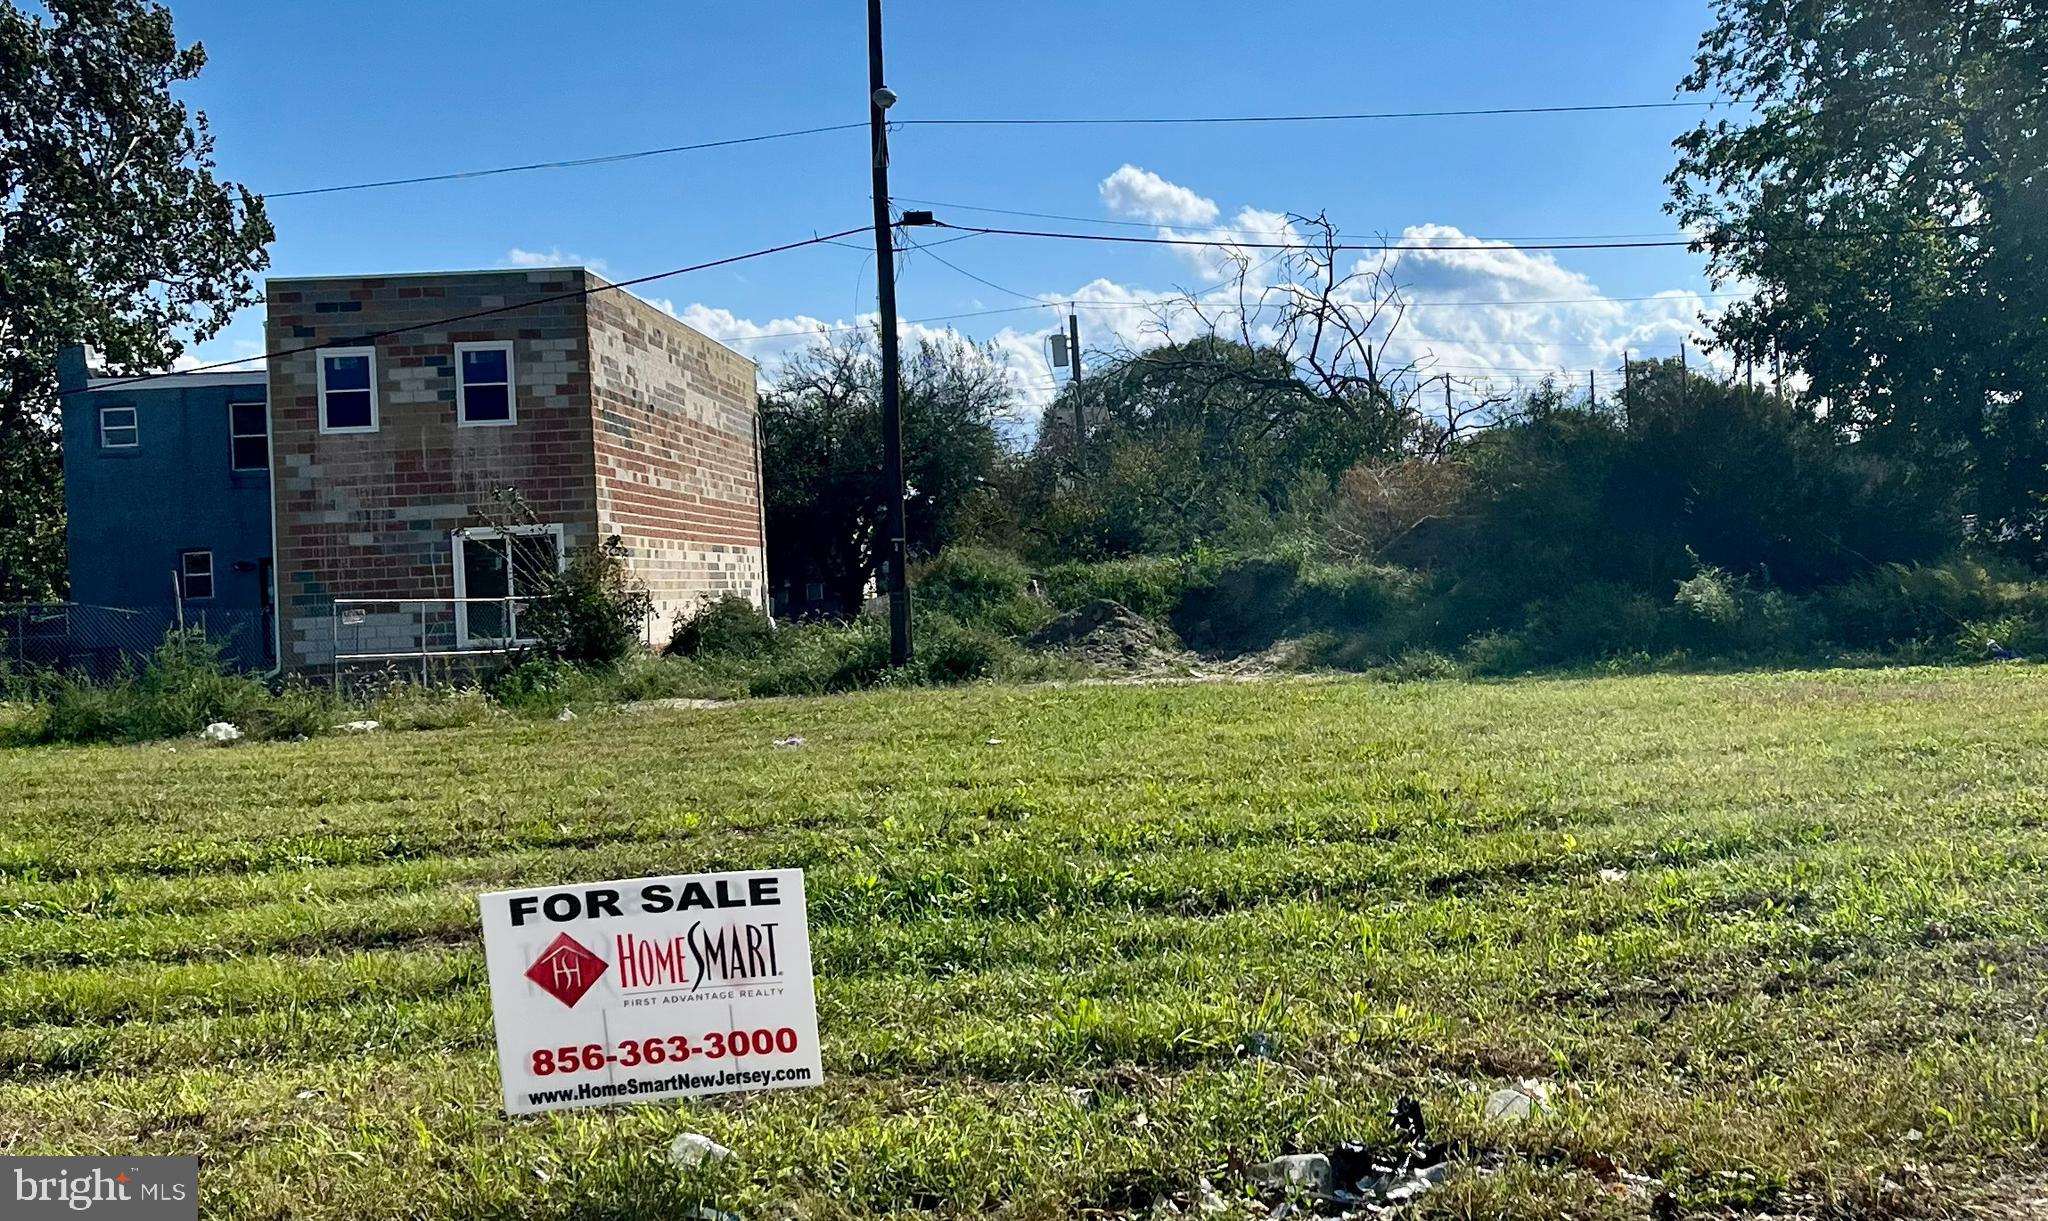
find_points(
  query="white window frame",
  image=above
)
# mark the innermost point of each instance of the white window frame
(320, 358)
(462, 419)
(234, 436)
(133, 427)
(185, 575)
(463, 640)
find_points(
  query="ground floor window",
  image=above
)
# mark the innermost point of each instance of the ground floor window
(195, 575)
(498, 570)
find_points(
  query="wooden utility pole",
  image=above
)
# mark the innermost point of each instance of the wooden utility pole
(880, 98)
(1074, 378)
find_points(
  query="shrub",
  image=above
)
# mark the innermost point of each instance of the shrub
(1598, 619)
(1343, 597)
(817, 658)
(1497, 653)
(298, 710)
(594, 611)
(1418, 665)
(728, 627)
(965, 582)
(534, 685)
(1150, 585)
(952, 652)
(1898, 604)
(407, 705)
(1242, 608)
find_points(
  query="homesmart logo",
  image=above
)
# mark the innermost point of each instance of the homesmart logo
(566, 970)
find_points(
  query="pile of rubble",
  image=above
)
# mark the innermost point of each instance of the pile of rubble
(1106, 633)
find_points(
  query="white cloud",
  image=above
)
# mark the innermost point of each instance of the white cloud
(1145, 195)
(1488, 315)
(551, 257)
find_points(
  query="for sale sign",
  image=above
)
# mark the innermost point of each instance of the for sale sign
(614, 992)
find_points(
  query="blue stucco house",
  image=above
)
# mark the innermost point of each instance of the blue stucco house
(168, 514)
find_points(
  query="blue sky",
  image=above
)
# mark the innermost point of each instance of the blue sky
(304, 95)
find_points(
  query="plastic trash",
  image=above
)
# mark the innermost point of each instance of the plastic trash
(789, 743)
(1522, 1101)
(1307, 1171)
(694, 1149)
(1614, 877)
(221, 732)
(566, 715)
(359, 726)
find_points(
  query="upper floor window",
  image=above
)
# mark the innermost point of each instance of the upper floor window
(118, 429)
(483, 384)
(195, 575)
(348, 390)
(248, 436)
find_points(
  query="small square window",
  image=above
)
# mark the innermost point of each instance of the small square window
(348, 390)
(118, 428)
(248, 436)
(195, 575)
(483, 384)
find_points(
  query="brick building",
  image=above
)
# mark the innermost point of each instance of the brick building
(453, 461)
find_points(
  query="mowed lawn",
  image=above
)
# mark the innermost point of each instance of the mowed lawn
(1776, 941)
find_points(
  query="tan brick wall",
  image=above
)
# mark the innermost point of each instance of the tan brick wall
(678, 478)
(370, 515)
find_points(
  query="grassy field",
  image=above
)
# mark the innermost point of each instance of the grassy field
(1776, 941)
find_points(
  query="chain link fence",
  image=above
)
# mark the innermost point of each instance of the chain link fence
(100, 641)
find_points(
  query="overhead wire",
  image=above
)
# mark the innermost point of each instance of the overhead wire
(571, 295)
(1408, 248)
(1099, 121)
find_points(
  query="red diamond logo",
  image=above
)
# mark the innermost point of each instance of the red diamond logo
(566, 970)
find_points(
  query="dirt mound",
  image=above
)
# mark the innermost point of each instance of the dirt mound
(1104, 633)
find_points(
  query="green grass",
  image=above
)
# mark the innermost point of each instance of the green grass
(1825, 962)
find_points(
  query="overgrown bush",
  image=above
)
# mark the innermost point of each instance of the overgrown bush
(818, 658)
(180, 688)
(407, 705)
(952, 652)
(299, 709)
(1150, 585)
(594, 611)
(1897, 604)
(728, 627)
(965, 582)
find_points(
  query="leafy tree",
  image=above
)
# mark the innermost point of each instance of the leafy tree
(1203, 440)
(114, 233)
(1890, 201)
(821, 422)
(1691, 471)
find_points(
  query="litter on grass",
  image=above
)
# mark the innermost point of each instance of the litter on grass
(694, 1149)
(221, 732)
(789, 743)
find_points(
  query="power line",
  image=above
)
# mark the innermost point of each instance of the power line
(1139, 224)
(1178, 121)
(1392, 248)
(572, 295)
(638, 154)
(576, 163)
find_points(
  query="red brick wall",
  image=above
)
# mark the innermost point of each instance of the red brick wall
(678, 475)
(370, 515)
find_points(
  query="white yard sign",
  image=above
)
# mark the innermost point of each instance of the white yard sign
(612, 992)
